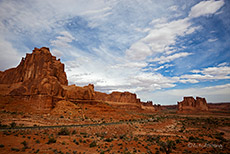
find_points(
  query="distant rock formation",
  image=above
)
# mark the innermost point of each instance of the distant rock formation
(41, 78)
(149, 106)
(191, 104)
(126, 97)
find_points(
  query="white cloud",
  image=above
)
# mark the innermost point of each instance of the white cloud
(139, 51)
(151, 82)
(164, 59)
(160, 38)
(10, 57)
(210, 73)
(173, 8)
(63, 40)
(188, 81)
(212, 40)
(205, 8)
(131, 65)
(165, 34)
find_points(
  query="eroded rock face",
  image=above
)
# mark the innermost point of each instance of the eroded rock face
(41, 79)
(39, 73)
(125, 97)
(80, 93)
(149, 106)
(191, 104)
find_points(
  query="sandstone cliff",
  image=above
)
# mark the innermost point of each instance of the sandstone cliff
(191, 104)
(126, 97)
(38, 73)
(149, 106)
(41, 78)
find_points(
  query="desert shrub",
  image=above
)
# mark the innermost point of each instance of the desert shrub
(77, 143)
(15, 149)
(167, 146)
(122, 136)
(25, 144)
(37, 151)
(220, 137)
(93, 144)
(135, 138)
(51, 140)
(178, 141)
(61, 116)
(83, 133)
(13, 124)
(3, 126)
(108, 140)
(102, 152)
(74, 132)
(2, 146)
(64, 131)
(37, 141)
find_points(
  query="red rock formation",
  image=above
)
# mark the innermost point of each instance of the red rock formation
(190, 104)
(39, 73)
(149, 106)
(80, 93)
(125, 97)
(39, 64)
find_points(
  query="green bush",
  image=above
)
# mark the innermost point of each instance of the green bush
(64, 131)
(51, 140)
(15, 149)
(74, 132)
(167, 146)
(108, 140)
(37, 141)
(93, 144)
(24, 143)
(13, 124)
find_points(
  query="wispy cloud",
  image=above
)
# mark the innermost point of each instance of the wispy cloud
(165, 59)
(205, 8)
(210, 73)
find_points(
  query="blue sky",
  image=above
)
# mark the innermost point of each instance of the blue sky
(160, 50)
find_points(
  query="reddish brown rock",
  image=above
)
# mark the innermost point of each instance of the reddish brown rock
(125, 97)
(190, 104)
(149, 106)
(79, 93)
(39, 73)
(39, 64)
(41, 79)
